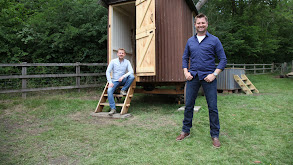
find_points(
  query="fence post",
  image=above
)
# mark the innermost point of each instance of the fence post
(78, 77)
(292, 66)
(282, 69)
(254, 69)
(273, 65)
(23, 80)
(285, 68)
(263, 69)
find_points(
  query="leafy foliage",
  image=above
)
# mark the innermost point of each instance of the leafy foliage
(53, 31)
(12, 17)
(252, 31)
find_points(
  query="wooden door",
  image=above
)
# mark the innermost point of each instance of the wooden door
(145, 38)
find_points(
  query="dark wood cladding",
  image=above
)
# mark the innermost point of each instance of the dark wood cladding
(173, 28)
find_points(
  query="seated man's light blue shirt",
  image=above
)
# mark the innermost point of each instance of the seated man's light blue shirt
(119, 69)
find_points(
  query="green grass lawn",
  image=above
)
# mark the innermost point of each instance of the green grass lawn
(57, 128)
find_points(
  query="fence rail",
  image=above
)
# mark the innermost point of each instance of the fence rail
(264, 68)
(24, 77)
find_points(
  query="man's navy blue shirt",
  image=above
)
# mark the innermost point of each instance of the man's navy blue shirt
(202, 55)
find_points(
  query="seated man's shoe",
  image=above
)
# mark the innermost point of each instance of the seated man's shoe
(216, 142)
(112, 112)
(122, 92)
(182, 136)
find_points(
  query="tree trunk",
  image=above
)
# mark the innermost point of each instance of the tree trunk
(233, 7)
(199, 4)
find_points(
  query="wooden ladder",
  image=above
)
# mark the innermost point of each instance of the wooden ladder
(126, 103)
(245, 84)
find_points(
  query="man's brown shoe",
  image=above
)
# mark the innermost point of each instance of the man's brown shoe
(182, 136)
(216, 142)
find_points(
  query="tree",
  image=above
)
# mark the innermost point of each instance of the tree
(53, 31)
(252, 31)
(284, 18)
(199, 4)
(67, 31)
(12, 18)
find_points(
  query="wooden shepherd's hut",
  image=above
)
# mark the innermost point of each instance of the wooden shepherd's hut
(154, 34)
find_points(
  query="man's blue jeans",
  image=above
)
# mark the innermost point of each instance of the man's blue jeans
(210, 91)
(126, 82)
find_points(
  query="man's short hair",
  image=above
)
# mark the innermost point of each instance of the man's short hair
(122, 49)
(201, 15)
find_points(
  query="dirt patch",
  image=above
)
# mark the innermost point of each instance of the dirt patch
(97, 97)
(6, 101)
(91, 96)
(88, 119)
(61, 160)
(29, 124)
(6, 119)
(36, 129)
(152, 122)
(13, 110)
(78, 116)
(86, 97)
(29, 127)
(8, 126)
(149, 122)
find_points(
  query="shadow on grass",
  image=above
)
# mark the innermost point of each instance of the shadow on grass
(154, 103)
(156, 98)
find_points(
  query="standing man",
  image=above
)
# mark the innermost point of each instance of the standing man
(201, 50)
(122, 76)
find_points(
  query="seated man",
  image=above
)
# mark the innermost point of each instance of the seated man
(122, 76)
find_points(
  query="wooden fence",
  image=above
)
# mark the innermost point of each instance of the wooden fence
(24, 76)
(263, 68)
(255, 68)
(249, 68)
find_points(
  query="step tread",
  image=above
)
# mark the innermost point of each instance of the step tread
(120, 87)
(118, 95)
(117, 104)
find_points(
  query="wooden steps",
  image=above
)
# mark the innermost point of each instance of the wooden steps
(126, 103)
(245, 84)
(118, 95)
(117, 104)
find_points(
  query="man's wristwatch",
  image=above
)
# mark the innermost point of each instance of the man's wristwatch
(216, 74)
